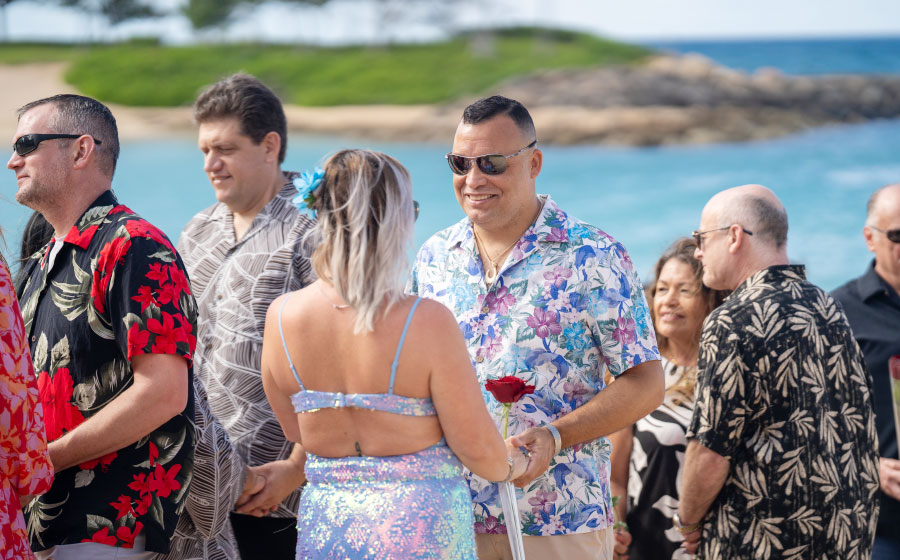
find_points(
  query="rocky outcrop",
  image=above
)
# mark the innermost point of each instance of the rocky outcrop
(689, 99)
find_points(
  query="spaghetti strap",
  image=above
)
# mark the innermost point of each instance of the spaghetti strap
(284, 344)
(400, 345)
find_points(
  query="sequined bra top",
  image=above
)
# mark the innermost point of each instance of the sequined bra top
(309, 401)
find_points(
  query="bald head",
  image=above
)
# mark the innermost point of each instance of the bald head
(882, 201)
(753, 207)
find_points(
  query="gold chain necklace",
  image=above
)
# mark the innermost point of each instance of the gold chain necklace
(334, 305)
(491, 275)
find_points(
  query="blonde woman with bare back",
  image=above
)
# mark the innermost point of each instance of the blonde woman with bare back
(376, 386)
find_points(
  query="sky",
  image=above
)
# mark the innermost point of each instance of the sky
(341, 21)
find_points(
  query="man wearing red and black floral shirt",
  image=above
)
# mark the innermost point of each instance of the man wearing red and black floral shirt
(111, 322)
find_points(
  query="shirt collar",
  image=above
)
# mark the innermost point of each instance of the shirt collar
(870, 284)
(770, 275)
(85, 227)
(551, 226)
(276, 207)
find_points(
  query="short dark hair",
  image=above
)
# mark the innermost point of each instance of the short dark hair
(77, 114)
(244, 97)
(490, 107)
(771, 220)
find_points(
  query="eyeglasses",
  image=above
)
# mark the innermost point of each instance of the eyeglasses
(491, 164)
(893, 235)
(416, 209)
(28, 143)
(698, 235)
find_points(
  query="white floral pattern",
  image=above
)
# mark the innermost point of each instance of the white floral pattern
(566, 306)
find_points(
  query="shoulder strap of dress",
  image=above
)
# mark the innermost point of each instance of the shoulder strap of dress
(284, 344)
(400, 345)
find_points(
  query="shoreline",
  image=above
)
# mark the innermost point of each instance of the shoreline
(669, 100)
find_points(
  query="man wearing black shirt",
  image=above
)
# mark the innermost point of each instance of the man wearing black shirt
(872, 305)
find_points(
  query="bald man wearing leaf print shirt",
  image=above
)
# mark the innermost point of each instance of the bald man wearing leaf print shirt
(111, 323)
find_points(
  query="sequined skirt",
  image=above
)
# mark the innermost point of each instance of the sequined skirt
(402, 506)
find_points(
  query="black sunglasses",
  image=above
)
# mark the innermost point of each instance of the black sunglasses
(28, 143)
(491, 164)
(893, 235)
(698, 235)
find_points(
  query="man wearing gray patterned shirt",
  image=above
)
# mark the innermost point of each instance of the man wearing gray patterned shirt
(241, 253)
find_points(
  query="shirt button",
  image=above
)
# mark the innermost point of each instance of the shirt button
(479, 358)
(485, 309)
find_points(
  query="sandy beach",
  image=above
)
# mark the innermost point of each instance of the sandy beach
(27, 82)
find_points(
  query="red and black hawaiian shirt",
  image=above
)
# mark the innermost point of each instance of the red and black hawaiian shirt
(116, 289)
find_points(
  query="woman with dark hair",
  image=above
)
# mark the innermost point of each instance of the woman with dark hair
(647, 458)
(376, 385)
(38, 232)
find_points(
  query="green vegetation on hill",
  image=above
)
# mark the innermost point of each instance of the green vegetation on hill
(149, 75)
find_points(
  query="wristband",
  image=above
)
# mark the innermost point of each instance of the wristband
(682, 528)
(509, 461)
(557, 439)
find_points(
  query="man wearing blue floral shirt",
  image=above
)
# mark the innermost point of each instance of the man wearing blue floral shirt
(556, 302)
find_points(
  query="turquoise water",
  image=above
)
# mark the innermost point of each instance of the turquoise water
(874, 55)
(645, 197)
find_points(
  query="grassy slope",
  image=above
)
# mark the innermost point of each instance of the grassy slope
(148, 75)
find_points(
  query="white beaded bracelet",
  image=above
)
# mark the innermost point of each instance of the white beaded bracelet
(557, 439)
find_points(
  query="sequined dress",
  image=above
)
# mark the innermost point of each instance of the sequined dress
(401, 506)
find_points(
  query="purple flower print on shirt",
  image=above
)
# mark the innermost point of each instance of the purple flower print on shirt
(544, 323)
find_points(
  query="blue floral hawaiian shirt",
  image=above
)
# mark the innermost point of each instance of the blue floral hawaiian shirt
(566, 306)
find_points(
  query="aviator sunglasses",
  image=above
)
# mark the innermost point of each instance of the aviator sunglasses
(491, 164)
(893, 235)
(28, 143)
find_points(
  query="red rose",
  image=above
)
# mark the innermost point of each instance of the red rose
(508, 389)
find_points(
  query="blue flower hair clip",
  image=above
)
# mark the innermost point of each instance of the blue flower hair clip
(308, 184)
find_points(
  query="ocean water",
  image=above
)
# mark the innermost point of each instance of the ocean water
(872, 55)
(645, 197)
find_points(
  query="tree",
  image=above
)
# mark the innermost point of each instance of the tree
(211, 13)
(115, 11)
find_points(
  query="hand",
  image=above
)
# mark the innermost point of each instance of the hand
(25, 500)
(253, 484)
(520, 460)
(692, 541)
(281, 478)
(623, 540)
(889, 470)
(541, 448)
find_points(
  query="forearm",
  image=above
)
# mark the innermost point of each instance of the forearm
(632, 395)
(704, 475)
(140, 409)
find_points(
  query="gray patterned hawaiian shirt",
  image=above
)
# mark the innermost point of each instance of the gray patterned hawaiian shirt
(783, 394)
(234, 283)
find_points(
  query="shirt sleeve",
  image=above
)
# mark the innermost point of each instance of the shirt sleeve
(143, 281)
(24, 459)
(219, 471)
(617, 311)
(721, 408)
